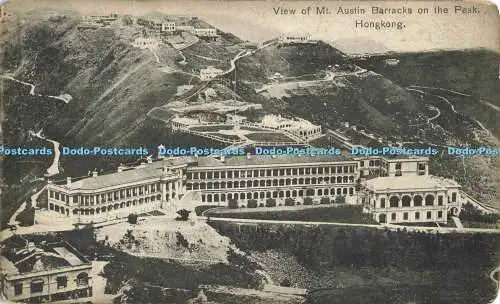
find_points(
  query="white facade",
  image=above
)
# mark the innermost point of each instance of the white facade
(296, 38)
(45, 273)
(400, 199)
(298, 127)
(209, 73)
(205, 32)
(410, 197)
(146, 43)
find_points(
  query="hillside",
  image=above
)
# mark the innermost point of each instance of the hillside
(351, 94)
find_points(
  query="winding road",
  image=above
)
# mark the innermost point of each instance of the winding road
(63, 97)
(54, 167)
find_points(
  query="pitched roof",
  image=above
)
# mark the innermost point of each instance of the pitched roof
(409, 182)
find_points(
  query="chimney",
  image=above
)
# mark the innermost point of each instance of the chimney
(248, 155)
(150, 160)
(68, 180)
(94, 173)
(223, 158)
(120, 168)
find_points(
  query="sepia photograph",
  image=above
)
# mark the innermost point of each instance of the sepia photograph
(225, 152)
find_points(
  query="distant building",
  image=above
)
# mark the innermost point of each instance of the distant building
(233, 118)
(292, 38)
(44, 273)
(298, 127)
(146, 43)
(209, 73)
(405, 199)
(209, 33)
(102, 18)
(157, 24)
(186, 28)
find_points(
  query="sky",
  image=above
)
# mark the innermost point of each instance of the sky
(257, 21)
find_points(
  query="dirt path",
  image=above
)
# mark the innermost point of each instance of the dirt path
(63, 97)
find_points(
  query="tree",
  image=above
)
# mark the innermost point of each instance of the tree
(183, 215)
(232, 203)
(308, 200)
(270, 202)
(252, 203)
(285, 282)
(132, 218)
(289, 202)
(340, 199)
(324, 201)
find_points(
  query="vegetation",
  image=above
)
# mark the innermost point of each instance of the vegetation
(232, 203)
(132, 218)
(183, 215)
(340, 199)
(308, 200)
(458, 264)
(341, 214)
(200, 209)
(252, 203)
(289, 202)
(324, 201)
(27, 216)
(270, 202)
(471, 213)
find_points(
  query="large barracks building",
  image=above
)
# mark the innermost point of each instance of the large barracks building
(169, 183)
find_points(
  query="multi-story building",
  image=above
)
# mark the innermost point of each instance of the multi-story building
(291, 38)
(104, 197)
(44, 273)
(262, 177)
(208, 33)
(411, 198)
(146, 43)
(157, 24)
(301, 128)
(395, 166)
(161, 184)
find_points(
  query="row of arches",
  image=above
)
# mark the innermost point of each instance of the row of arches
(222, 197)
(408, 201)
(270, 182)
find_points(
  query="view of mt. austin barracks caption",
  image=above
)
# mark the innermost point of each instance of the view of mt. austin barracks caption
(227, 152)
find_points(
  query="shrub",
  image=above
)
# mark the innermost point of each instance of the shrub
(252, 203)
(308, 200)
(340, 199)
(285, 283)
(289, 202)
(132, 218)
(181, 240)
(324, 201)
(232, 203)
(270, 202)
(183, 215)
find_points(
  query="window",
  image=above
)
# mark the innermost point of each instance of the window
(429, 215)
(417, 215)
(398, 166)
(440, 214)
(417, 200)
(405, 216)
(454, 197)
(18, 289)
(36, 286)
(394, 201)
(382, 203)
(62, 282)
(440, 200)
(393, 216)
(83, 278)
(362, 164)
